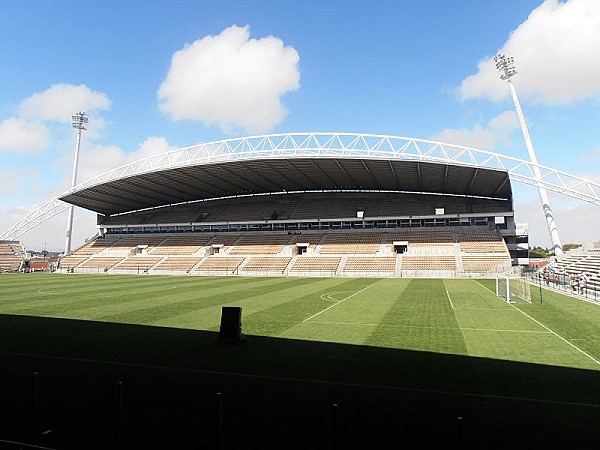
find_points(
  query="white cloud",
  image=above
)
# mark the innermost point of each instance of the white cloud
(18, 135)
(557, 56)
(60, 101)
(231, 81)
(101, 159)
(154, 145)
(498, 130)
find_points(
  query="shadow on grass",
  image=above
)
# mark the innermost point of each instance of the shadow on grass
(274, 393)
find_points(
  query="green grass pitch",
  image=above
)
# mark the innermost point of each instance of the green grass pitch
(461, 317)
(441, 348)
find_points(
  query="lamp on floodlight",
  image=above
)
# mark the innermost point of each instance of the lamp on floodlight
(505, 66)
(79, 121)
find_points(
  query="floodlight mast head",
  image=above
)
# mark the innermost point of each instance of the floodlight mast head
(505, 66)
(80, 120)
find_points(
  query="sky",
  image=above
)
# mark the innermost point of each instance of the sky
(156, 76)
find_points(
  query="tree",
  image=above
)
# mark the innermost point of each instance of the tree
(539, 252)
(568, 247)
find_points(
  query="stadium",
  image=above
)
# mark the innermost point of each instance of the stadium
(373, 271)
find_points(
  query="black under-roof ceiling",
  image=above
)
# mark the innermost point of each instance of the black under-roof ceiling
(224, 179)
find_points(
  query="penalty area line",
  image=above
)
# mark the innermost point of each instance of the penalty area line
(449, 299)
(500, 330)
(341, 301)
(551, 331)
(559, 336)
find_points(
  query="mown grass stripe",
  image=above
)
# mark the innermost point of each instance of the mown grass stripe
(425, 327)
(201, 301)
(277, 319)
(339, 302)
(422, 303)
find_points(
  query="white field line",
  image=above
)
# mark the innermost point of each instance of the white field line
(449, 299)
(296, 380)
(428, 327)
(559, 336)
(487, 309)
(551, 331)
(341, 301)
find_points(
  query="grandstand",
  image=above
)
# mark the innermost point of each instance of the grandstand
(303, 216)
(581, 260)
(12, 255)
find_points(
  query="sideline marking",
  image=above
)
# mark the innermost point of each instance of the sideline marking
(449, 299)
(432, 328)
(341, 301)
(168, 288)
(488, 309)
(551, 331)
(301, 380)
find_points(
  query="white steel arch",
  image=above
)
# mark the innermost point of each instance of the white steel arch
(316, 145)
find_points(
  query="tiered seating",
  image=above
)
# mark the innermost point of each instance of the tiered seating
(367, 251)
(588, 263)
(266, 264)
(316, 264)
(351, 243)
(135, 240)
(11, 255)
(483, 263)
(100, 262)
(482, 251)
(257, 244)
(581, 263)
(70, 261)
(7, 248)
(95, 246)
(225, 239)
(236, 210)
(220, 263)
(370, 263)
(138, 263)
(479, 235)
(483, 247)
(428, 262)
(307, 237)
(9, 263)
(181, 245)
(177, 263)
(435, 237)
(321, 209)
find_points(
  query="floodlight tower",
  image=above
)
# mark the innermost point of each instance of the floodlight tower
(507, 70)
(79, 121)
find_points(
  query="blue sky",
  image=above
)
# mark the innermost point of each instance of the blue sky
(152, 77)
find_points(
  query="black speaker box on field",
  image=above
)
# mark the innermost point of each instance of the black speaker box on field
(230, 331)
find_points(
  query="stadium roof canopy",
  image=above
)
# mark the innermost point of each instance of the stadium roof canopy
(260, 174)
(310, 161)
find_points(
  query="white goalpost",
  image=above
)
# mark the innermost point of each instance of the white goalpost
(512, 288)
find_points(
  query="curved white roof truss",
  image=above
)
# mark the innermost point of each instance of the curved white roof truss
(326, 145)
